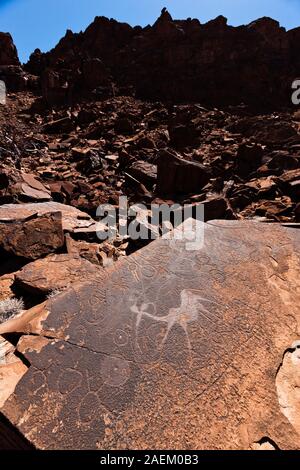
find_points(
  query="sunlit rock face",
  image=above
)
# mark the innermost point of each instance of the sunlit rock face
(173, 348)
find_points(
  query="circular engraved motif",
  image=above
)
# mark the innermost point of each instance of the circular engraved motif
(148, 271)
(88, 407)
(115, 371)
(121, 338)
(96, 300)
(69, 380)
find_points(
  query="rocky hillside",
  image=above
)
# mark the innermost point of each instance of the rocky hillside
(211, 63)
(178, 112)
(174, 60)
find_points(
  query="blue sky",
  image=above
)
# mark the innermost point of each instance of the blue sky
(41, 23)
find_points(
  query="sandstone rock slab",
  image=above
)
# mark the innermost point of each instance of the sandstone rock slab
(19, 186)
(173, 348)
(72, 219)
(55, 273)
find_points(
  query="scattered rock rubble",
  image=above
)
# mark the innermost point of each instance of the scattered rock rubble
(120, 345)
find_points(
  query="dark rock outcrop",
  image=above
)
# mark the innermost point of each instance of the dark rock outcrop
(178, 176)
(180, 60)
(8, 51)
(11, 71)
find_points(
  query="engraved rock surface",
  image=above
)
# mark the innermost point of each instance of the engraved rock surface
(172, 348)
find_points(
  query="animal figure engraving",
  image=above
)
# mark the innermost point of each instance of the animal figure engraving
(192, 307)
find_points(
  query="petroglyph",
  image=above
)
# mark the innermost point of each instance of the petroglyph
(191, 309)
(115, 371)
(192, 344)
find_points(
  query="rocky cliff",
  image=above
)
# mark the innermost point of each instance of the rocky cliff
(10, 68)
(180, 60)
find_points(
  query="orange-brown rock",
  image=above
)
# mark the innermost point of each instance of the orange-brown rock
(55, 273)
(12, 370)
(17, 186)
(32, 237)
(73, 220)
(174, 348)
(6, 283)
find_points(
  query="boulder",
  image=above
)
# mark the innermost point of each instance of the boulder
(30, 189)
(19, 186)
(73, 220)
(216, 208)
(291, 183)
(166, 335)
(32, 237)
(144, 172)
(54, 273)
(179, 176)
(248, 159)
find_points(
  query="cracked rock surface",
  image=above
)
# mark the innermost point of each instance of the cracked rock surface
(170, 342)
